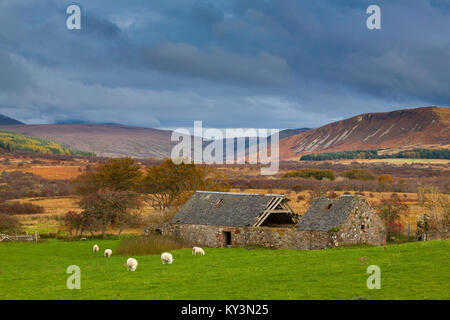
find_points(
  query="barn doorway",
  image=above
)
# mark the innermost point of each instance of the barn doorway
(227, 238)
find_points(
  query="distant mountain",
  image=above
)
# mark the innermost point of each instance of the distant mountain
(104, 140)
(5, 121)
(72, 121)
(291, 132)
(402, 129)
(13, 141)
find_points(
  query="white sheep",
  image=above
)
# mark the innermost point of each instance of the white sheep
(108, 253)
(95, 248)
(166, 257)
(132, 264)
(197, 250)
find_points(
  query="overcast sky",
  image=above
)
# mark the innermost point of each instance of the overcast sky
(243, 63)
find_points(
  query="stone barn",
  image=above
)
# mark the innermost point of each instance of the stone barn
(226, 219)
(349, 219)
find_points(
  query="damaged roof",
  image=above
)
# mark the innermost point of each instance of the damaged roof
(224, 208)
(325, 214)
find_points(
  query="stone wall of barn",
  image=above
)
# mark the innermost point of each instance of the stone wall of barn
(276, 238)
(363, 226)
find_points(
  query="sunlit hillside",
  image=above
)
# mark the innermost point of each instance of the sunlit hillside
(11, 141)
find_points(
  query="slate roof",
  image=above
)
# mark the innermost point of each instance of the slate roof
(223, 208)
(323, 217)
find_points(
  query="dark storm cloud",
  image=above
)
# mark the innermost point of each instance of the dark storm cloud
(217, 64)
(249, 63)
(17, 80)
(207, 13)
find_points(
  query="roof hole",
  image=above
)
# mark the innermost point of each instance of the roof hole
(329, 206)
(218, 203)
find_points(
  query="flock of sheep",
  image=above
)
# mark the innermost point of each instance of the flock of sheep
(132, 263)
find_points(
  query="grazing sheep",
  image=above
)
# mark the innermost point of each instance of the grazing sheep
(166, 257)
(108, 253)
(95, 248)
(131, 264)
(197, 250)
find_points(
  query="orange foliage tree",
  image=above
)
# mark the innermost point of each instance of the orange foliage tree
(385, 178)
(119, 174)
(171, 184)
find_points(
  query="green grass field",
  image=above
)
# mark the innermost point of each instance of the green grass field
(408, 271)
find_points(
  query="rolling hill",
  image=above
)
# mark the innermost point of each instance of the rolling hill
(6, 121)
(103, 140)
(12, 141)
(425, 127)
(111, 140)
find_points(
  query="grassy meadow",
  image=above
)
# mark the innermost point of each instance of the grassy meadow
(408, 271)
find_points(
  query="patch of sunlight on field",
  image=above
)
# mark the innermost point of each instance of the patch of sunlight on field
(52, 172)
(55, 205)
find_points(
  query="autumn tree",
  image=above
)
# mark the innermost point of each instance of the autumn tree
(437, 206)
(171, 184)
(125, 219)
(389, 211)
(105, 208)
(73, 221)
(119, 174)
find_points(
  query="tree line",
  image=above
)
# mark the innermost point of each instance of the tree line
(373, 154)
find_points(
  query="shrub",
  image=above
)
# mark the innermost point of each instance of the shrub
(151, 244)
(20, 208)
(359, 174)
(9, 224)
(394, 228)
(332, 195)
(315, 194)
(385, 178)
(317, 174)
(389, 211)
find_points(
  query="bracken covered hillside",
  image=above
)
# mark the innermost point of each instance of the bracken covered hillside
(427, 127)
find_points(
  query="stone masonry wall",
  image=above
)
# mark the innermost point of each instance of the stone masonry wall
(363, 226)
(277, 238)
